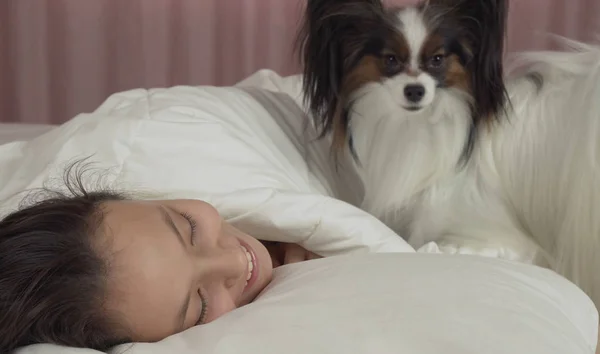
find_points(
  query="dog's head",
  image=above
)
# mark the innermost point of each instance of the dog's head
(414, 53)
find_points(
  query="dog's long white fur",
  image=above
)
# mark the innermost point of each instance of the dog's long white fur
(532, 185)
(548, 159)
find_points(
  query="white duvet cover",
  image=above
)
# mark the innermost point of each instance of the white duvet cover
(250, 152)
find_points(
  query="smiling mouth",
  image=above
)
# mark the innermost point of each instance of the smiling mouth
(250, 264)
(252, 268)
(412, 108)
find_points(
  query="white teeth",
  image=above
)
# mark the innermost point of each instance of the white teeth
(250, 264)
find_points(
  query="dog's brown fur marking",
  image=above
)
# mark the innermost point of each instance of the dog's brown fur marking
(367, 70)
(456, 74)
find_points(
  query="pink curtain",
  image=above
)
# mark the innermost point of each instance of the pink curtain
(59, 58)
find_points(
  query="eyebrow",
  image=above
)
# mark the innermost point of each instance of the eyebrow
(182, 314)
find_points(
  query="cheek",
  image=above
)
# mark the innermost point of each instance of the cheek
(219, 302)
(430, 83)
(374, 101)
(146, 295)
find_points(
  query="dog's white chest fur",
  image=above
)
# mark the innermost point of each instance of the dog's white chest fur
(415, 182)
(530, 185)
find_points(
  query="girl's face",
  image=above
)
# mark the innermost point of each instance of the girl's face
(176, 264)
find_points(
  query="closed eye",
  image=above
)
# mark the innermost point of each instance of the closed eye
(204, 312)
(204, 302)
(193, 225)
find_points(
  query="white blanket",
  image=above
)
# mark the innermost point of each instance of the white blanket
(243, 150)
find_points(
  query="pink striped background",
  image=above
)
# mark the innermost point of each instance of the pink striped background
(62, 57)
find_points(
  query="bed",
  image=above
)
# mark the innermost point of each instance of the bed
(13, 132)
(248, 150)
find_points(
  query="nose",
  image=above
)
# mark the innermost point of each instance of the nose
(226, 265)
(414, 93)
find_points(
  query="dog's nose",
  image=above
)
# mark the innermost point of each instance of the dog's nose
(414, 93)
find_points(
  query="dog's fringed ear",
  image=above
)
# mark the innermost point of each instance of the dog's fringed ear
(328, 28)
(489, 35)
(485, 24)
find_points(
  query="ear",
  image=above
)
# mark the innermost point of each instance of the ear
(485, 25)
(328, 43)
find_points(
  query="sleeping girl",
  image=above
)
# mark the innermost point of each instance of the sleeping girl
(94, 269)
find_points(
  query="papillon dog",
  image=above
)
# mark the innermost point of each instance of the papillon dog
(448, 147)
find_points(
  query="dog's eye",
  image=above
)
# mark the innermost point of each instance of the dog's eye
(392, 64)
(437, 61)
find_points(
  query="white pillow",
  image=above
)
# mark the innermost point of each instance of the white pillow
(247, 151)
(390, 304)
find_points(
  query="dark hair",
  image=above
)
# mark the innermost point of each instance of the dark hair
(52, 271)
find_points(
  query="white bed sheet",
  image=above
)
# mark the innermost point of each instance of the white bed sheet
(13, 132)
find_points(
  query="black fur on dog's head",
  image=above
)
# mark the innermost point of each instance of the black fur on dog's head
(346, 44)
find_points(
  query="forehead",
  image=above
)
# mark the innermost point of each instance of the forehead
(138, 242)
(135, 234)
(144, 255)
(130, 219)
(419, 31)
(412, 25)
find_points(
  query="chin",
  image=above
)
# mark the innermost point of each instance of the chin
(450, 146)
